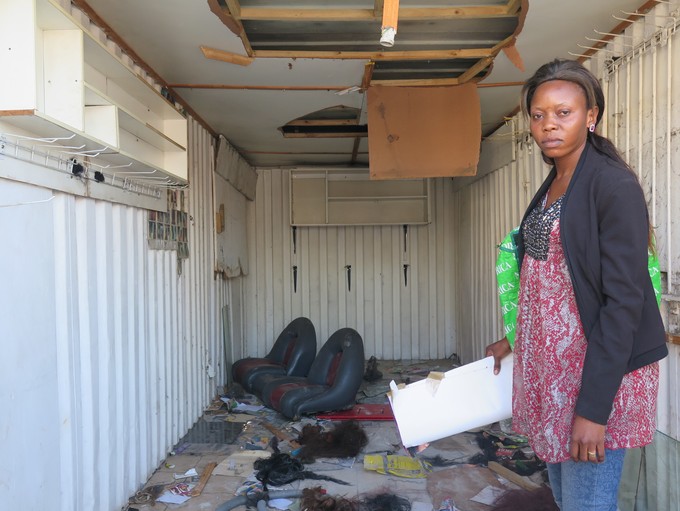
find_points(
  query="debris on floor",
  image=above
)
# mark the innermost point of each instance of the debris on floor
(240, 452)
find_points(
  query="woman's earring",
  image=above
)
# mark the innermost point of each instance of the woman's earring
(591, 128)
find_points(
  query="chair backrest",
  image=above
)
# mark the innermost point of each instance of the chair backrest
(295, 347)
(341, 358)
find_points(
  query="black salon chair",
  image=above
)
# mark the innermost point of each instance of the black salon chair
(292, 355)
(332, 382)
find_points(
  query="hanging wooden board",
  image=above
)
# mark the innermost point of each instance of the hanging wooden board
(416, 132)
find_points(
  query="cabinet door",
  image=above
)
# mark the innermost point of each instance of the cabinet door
(63, 78)
(17, 55)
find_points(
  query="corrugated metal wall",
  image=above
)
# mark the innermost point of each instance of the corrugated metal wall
(128, 359)
(643, 119)
(396, 320)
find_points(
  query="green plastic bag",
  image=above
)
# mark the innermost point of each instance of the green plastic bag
(507, 280)
(655, 275)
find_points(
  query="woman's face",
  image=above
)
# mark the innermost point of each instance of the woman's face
(560, 119)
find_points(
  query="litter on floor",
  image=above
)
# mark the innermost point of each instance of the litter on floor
(241, 454)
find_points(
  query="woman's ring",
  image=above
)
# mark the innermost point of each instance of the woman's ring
(591, 454)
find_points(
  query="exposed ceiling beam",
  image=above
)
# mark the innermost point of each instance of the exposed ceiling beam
(405, 13)
(364, 84)
(232, 21)
(418, 82)
(368, 73)
(468, 53)
(378, 8)
(293, 88)
(323, 122)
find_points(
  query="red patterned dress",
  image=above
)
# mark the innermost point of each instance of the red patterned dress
(549, 353)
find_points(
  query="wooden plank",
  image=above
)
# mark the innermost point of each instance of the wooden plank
(207, 471)
(368, 73)
(390, 16)
(226, 56)
(673, 339)
(418, 82)
(513, 477)
(469, 53)
(412, 13)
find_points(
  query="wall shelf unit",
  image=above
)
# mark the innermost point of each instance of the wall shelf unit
(66, 81)
(349, 197)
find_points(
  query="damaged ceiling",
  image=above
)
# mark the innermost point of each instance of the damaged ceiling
(286, 82)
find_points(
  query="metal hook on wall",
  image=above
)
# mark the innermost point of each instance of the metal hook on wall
(348, 269)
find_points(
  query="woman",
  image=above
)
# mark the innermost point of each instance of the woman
(589, 333)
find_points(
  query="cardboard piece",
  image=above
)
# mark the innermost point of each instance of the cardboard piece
(444, 404)
(416, 132)
(239, 464)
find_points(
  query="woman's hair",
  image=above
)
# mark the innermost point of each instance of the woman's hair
(574, 72)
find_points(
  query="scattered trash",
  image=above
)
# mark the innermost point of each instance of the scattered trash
(372, 373)
(203, 480)
(402, 466)
(281, 469)
(238, 417)
(257, 442)
(148, 495)
(365, 412)
(176, 494)
(238, 464)
(448, 505)
(488, 495)
(189, 473)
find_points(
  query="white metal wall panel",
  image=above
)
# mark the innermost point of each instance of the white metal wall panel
(124, 351)
(396, 320)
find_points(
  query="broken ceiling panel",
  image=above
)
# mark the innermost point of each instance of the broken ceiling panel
(334, 122)
(439, 43)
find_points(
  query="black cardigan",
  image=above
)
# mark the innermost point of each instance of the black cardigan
(604, 231)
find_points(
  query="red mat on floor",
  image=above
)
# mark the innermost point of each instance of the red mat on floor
(365, 412)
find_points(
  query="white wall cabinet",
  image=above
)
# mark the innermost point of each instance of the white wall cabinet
(59, 80)
(349, 197)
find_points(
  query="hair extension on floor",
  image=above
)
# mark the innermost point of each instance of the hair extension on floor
(280, 469)
(345, 440)
(527, 500)
(316, 499)
(385, 502)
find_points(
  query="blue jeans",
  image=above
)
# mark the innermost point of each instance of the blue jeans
(585, 486)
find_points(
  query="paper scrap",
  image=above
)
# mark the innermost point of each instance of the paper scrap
(189, 473)
(242, 407)
(279, 503)
(488, 495)
(170, 498)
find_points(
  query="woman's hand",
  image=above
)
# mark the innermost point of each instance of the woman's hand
(587, 440)
(498, 350)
